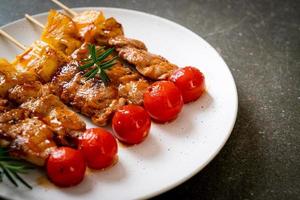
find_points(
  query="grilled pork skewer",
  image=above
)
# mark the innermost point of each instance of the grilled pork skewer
(130, 90)
(93, 98)
(26, 137)
(39, 62)
(93, 27)
(36, 127)
(32, 130)
(67, 34)
(148, 64)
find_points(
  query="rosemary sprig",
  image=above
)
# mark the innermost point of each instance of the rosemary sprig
(95, 63)
(11, 168)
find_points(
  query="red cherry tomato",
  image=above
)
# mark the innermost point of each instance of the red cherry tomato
(163, 101)
(131, 123)
(99, 148)
(190, 82)
(66, 167)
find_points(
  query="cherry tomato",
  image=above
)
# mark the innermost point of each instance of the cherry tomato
(131, 123)
(99, 148)
(163, 101)
(190, 82)
(66, 167)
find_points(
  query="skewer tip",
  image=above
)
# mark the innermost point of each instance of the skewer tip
(66, 8)
(12, 39)
(31, 19)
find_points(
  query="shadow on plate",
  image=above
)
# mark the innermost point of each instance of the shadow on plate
(148, 149)
(184, 124)
(111, 174)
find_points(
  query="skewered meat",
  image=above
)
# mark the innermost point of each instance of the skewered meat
(66, 34)
(64, 122)
(24, 92)
(133, 91)
(87, 24)
(10, 76)
(121, 41)
(40, 61)
(4, 105)
(110, 28)
(61, 32)
(91, 98)
(32, 141)
(38, 126)
(27, 138)
(149, 65)
(42, 122)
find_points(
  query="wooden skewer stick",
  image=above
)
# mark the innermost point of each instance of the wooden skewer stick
(68, 10)
(13, 40)
(36, 22)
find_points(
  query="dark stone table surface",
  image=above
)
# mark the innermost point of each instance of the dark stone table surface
(260, 42)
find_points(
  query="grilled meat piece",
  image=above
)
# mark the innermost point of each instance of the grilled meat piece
(67, 35)
(133, 91)
(24, 92)
(87, 23)
(91, 97)
(110, 28)
(61, 32)
(66, 124)
(121, 41)
(149, 65)
(40, 60)
(10, 76)
(32, 141)
(27, 138)
(38, 126)
(5, 105)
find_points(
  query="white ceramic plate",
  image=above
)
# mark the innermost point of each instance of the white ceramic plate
(173, 152)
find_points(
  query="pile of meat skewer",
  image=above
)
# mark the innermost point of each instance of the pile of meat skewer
(37, 86)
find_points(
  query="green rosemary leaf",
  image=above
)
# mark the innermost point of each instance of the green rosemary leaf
(92, 75)
(85, 66)
(90, 72)
(1, 176)
(22, 180)
(104, 55)
(98, 62)
(18, 168)
(7, 174)
(92, 51)
(11, 167)
(104, 77)
(107, 65)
